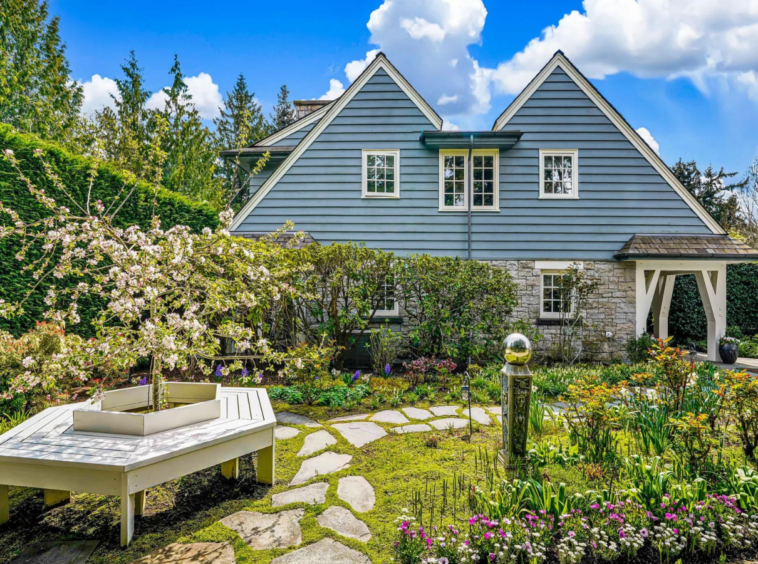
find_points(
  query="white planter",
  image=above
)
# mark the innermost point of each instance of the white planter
(113, 414)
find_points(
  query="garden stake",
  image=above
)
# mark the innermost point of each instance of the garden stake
(516, 396)
(466, 395)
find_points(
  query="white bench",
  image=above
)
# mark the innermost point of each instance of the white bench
(45, 452)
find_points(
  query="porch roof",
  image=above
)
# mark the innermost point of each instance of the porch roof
(716, 247)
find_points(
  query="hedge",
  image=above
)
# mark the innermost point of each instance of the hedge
(687, 321)
(172, 208)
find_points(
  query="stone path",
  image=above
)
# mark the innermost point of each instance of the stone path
(442, 410)
(444, 424)
(326, 463)
(315, 442)
(416, 413)
(295, 419)
(479, 415)
(58, 552)
(356, 417)
(420, 428)
(196, 553)
(315, 493)
(360, 433)
(345, 523)
(283, 433)
(325, 550)
(389, 416)
(263, 531)
(356, 491)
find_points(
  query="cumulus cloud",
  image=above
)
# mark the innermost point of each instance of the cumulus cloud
(205, 95)
(699, 39)
(649, 139)
(354, 69)
(336, 88)
(97, 93)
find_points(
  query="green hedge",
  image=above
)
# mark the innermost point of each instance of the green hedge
(687, 320)
(73, 170)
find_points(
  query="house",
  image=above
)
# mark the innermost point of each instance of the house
(560, 179)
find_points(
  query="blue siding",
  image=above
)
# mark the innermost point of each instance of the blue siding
(620, 193)
(297, 136)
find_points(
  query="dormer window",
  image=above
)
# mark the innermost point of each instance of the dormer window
(381, 173)
(559, 177)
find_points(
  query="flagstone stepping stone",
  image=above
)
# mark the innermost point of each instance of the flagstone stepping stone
(360, 433)
(494, 409)
(196, 553)
(420, 428)
(389, 416)
(315, 442)
(345, 523)
(356, 491)
(480, 416)
(57, 552)
(356, 417)
(313, 494)
(416, 413)
(325, 463)
(325, 550)
(444, 424)
(500, 419)
(441, 410)
(263, 531)
(295, 419)
(283, 433)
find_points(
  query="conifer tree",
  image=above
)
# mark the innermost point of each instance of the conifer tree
(284, 112)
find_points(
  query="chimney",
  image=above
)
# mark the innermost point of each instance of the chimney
(305, 107)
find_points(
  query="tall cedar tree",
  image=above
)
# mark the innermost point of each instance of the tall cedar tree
(124, 133)
(240, 124)
(284, 112)
(37, 94)
(713, 192)
(191, 154)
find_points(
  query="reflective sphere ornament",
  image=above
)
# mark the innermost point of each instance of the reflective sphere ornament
(518, 349)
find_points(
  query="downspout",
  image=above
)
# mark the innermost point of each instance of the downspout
(470, 175)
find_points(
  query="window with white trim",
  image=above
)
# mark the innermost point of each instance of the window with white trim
(559, 176)
(388, 305)
(381, 173)
(454, 180)
(553, 302)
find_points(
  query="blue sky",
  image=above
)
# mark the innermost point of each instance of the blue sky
(670, 66)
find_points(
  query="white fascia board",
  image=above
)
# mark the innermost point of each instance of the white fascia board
(292, 128)
(334, 109)
(610, 112)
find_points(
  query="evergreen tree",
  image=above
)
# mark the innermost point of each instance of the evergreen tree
(190, 150)
(37, 94)
(284, 112)
(712, 190)
(240, 124)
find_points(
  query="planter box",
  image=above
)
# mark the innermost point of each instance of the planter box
(115, 412)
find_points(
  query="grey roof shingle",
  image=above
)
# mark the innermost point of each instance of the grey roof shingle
(720, 247)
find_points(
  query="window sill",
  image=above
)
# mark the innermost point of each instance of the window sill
(391, 319)
(551, 197)
(465, 210)
(365, 197)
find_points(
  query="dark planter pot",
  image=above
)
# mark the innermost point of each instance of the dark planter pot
(728, 353)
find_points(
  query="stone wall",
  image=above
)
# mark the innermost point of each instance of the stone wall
(610, 310)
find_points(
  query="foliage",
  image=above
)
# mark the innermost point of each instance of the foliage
(306, 364)
(384, 346)
(333, 395)
(574, 288)
(637, 348)
(675, 373)
(284, 112)
(108, 185)
(740, 393)
(457, 308)
(37, 92)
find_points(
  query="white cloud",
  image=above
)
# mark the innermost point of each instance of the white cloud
(205, 95)
(353, 70)
(699, 39)
(449, 126)
(336, 88)
(97, 93)
(649, 139)
(445, 99)
(419, 28)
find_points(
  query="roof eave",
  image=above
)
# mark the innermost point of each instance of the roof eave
(698, 256)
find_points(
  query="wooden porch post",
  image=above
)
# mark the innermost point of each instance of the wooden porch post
(711, 282)
(646, 284)
(662, 304)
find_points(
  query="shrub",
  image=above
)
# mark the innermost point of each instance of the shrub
(383, 346)
(307, 364)
(740, 393)
(637, 348)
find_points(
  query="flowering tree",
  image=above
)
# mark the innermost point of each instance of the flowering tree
(169, 294)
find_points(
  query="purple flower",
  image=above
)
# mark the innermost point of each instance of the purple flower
(218, 371)
(143, 381)
(644, 533)
(571, 534)
(622, 534)
(387, 370)
(356, 376)
(244, 372)
(492, 557)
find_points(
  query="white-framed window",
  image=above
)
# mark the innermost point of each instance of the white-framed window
(381, 173)
(559, 173)
(454, 180)
(552, 303)
(388, 306)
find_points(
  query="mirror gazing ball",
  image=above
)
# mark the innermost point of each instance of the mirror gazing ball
(518, 349)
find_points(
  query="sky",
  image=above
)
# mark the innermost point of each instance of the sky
(682, 72)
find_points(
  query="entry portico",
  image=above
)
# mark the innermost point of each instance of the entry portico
(659, 259)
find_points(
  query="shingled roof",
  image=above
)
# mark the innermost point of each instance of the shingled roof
(720, 247)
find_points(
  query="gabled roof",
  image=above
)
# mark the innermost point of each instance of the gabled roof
(720, 247)
(559, 60)
(329, 113)
(292, 128)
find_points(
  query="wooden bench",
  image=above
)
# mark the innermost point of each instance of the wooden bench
(45, 452)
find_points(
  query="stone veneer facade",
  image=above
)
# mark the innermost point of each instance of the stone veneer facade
(611, 309)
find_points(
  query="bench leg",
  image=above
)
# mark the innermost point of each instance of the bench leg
(127, 513)
(139, 503)
(231, 469)
(56, 497)
(5, 507)
(266, 465)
